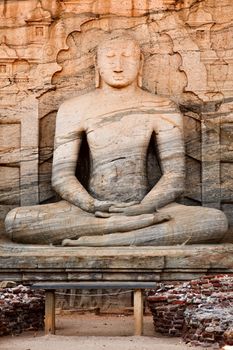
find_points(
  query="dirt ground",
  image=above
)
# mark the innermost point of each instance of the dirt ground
(91, 332)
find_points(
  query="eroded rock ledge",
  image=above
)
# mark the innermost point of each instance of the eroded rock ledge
(29, 263)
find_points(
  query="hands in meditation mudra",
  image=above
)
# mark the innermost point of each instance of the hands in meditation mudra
(117, 208)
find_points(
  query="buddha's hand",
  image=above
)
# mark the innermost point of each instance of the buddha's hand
(102, 208)
(137, 209)
(140, 209)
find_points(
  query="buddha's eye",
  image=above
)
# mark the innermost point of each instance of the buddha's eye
(110, 54)
(126, 54)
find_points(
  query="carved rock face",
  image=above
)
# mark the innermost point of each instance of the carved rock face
(118, 62)
(119, 121)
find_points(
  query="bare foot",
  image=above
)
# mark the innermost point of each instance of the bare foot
(161, 217)
(146, 220)
(68, 242)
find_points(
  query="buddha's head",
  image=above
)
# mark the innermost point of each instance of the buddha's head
(119, 62)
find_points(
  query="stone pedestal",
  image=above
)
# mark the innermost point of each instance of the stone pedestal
(27, 264)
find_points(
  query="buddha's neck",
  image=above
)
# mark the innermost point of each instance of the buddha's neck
(117, 92)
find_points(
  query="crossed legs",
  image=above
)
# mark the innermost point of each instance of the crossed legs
(62, 221)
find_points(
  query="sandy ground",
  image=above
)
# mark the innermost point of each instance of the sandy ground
(91, 332)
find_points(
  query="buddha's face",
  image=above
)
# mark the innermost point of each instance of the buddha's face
(118, 62)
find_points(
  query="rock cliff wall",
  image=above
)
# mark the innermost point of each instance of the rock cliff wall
(47, 55)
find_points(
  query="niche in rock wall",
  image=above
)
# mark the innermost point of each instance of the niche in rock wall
(21, 70)
(46, 146)
(162, 74)
(77, 74)
(9, 164)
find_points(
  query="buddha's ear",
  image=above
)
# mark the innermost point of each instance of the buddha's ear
(140, 70)
(97, 75)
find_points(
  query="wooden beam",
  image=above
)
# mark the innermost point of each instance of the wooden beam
(49, 312)
(138, 312)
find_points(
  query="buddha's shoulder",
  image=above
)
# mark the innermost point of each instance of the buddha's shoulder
(159, 101)
(80, 102)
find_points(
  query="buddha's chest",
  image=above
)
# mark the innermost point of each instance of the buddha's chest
(119, 131)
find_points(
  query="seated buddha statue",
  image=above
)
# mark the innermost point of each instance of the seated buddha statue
(117, 207)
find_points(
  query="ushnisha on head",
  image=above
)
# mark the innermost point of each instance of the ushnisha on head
(119, 62)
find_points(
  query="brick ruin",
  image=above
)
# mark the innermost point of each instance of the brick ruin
(200, 311)
(21, 309)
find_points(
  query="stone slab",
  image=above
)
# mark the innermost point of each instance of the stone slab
(28, 264)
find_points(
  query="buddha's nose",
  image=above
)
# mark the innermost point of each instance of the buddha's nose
(118, 70)
(118, 66)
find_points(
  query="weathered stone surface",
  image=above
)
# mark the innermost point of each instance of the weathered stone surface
(113, 203)
(37, 263)
(179, 48)
(47, 55)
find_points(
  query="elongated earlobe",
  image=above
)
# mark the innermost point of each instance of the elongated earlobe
(139, 80)
(97, 75)
(97, 78)
(140, 71)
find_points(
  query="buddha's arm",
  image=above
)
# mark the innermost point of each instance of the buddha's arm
(68, 139)
(169, 139)
(170, 142)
